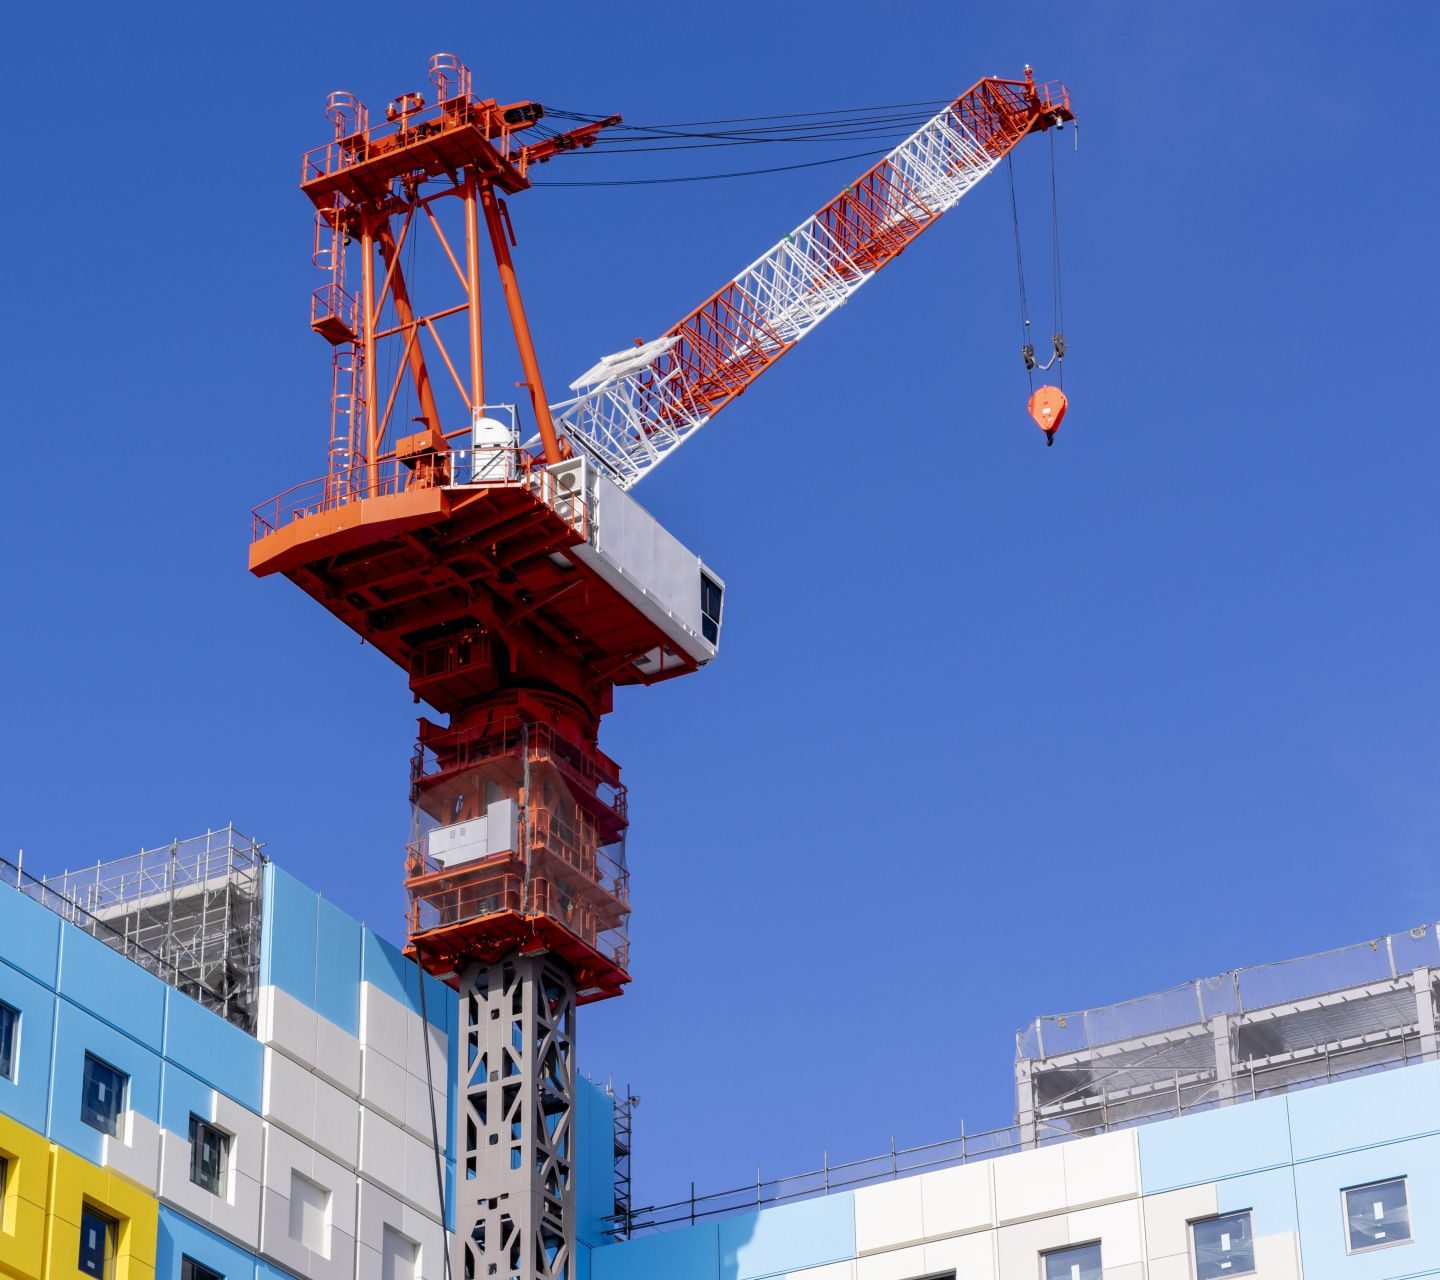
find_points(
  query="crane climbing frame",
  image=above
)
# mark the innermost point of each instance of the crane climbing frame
(518, 584)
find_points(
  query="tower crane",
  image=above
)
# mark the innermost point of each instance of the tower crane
(517, 582)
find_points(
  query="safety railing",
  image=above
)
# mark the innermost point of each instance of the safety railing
(571, 845)
(591, 772)
(52, 898)
(414, 121)
(1237, 992)
(448, 469)
(1182, 1099)
(332, 304)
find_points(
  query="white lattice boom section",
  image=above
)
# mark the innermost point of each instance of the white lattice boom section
(633, 408)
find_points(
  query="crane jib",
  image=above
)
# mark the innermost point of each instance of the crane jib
(630, 412)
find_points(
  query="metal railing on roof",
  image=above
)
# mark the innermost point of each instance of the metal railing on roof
(1236, 992)
(1175, 1096)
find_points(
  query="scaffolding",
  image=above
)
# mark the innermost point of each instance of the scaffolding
(625, 1104)
(1249, 1033)
(188, 912)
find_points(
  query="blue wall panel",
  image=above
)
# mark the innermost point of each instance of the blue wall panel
(290, 936)
(31, 934)
(595, 1161)
(337, 967)
(787, 1237)
(76, 1033)
(1214, 1144)
(180, 1237)
(209, 1047)
(1269, 1195)
(116, 989)
(1401, 1103)
(690, 1253)
(26, 1097)
(1318, 1184)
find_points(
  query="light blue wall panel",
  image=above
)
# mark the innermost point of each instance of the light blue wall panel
(337, 967)
(31, 935)
(289, 936)
(582, 1261)
(215, 1050)
(181, 1096)
(690, 1253)
(180, 1237)
(25, 1098)
(113, 987)
(1269, 1195)
(594, 1161)
(1318, 1184)
(787, 1237)
(1389, 1105)
(76, 1033)
(1214, 1144)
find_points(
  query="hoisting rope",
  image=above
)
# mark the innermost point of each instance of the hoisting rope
(1057, 295)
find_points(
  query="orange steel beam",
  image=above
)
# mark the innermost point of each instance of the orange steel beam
(511, 287)
(414, 356)
(472, 287)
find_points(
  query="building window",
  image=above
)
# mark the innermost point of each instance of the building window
(103, 1101)
(97, 1244)
(1078, 1262)
(309, 1214)
(209, 1148)
(1376, 1215)
(192, 1270)
(1224, 1246)
(9, 1037)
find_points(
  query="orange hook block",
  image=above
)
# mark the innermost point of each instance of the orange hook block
(1047, 407)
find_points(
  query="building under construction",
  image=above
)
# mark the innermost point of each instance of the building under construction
(208, 1070)
(265, 1088)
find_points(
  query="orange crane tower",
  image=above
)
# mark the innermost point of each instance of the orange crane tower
(517, 583)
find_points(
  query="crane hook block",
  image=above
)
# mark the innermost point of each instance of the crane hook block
(1047, 407)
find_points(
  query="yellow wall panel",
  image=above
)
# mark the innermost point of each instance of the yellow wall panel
(46, 1190)
(27, 1158)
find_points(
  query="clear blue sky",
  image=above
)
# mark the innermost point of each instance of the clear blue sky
(996, 730)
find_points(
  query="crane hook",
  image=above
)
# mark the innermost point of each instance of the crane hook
(1047, 407)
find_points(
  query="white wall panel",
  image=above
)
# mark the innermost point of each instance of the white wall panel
(138, 1156)
(957, 1200)
(1101, 1168)
(888, 1215)
(1029, 1184)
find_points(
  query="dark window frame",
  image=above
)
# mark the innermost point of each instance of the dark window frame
(199, 1129)
(109, 1227)
(1403, 1181)
(108, 1123)
(1083, 1245)
(9, 1040)
(192, 1270)
(1249, 1216)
